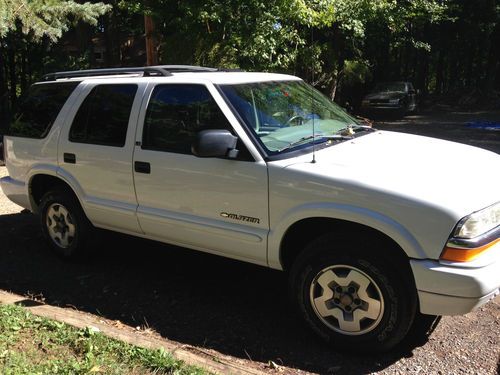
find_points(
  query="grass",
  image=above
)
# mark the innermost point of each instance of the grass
(35, 345)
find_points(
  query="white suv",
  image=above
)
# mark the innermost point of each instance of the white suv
(373, 228)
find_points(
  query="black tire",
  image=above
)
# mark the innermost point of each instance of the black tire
(81, 228)
(422, 328)
(383, 325)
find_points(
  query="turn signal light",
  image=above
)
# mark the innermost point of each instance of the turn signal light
(454, 254)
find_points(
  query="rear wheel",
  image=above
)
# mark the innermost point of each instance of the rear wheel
(64, 224)
(350, 297)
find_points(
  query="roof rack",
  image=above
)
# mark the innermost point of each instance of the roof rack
(148, 71)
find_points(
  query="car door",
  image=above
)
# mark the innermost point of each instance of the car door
(211, 204)
(95, 153)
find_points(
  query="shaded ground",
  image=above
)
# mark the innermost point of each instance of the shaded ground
(234, 308)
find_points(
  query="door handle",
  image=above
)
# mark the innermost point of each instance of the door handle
(142, 167)
(69, 158)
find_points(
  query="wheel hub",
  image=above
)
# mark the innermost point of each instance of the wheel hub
(347, 300)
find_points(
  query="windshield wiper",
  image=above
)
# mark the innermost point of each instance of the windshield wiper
(350, 129)
(338, 137)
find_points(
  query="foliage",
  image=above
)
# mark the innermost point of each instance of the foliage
(312, 38)
(341, 46)
(48, 18)
(34, 345)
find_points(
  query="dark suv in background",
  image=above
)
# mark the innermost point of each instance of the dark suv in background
(398, 98)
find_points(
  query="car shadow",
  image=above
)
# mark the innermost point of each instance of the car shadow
(193, 298)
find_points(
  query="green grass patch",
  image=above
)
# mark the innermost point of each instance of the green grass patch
(33, 345)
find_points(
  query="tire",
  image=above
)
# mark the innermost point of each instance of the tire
(422, 328)
(64, 224)
(350, 297)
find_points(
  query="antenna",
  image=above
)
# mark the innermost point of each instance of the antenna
(312, 102)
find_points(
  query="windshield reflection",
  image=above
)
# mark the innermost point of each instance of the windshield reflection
(283, 113)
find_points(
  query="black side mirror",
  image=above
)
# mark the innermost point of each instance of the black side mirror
(215, 143)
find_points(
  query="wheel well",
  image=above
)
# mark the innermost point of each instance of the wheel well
(302, 232)
(41, 184)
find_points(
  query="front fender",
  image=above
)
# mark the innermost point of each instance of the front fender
(375, 220)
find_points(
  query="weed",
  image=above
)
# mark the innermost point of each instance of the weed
(35, 345)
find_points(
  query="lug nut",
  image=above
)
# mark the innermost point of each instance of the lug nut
(336, 301)
(357, 301)
(338, 289)
(351, 290)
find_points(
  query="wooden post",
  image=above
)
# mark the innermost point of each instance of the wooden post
(151, 53)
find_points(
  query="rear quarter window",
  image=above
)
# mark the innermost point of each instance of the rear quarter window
(39, 109)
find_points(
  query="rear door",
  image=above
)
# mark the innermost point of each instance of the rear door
(211, 204)
(95, 153)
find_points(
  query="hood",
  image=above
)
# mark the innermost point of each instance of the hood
(455, 178)
(415, 189)
(385, 95)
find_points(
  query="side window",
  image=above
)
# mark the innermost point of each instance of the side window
(103, 117)
(176, 113)
(39, 110)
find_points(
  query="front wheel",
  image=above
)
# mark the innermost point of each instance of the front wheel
(351, 298)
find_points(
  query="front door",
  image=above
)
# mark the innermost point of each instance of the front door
(211, 204)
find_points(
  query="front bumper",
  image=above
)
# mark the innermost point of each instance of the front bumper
(381, 106)
(452, 290)
(16, 191)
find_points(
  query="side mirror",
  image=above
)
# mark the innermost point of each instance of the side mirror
(215, 143)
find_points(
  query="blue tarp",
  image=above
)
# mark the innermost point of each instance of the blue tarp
(486, 125)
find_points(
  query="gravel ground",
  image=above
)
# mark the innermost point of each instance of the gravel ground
(185, 297)
(6, 206)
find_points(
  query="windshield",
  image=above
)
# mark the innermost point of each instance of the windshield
(283, 113)
(390, 86)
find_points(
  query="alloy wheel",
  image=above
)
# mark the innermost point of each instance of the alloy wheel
(60, 225)
(346, 300)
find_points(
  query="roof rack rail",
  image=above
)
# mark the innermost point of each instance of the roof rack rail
(147, 71)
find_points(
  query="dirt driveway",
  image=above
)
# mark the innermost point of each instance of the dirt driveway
(226, 306)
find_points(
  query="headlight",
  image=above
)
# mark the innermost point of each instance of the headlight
(394, 101)
(479, 222)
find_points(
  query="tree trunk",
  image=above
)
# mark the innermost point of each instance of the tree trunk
(24, 69)
(493, 63)
(440, 73)
(112, 38)
(4, 102)
(151, 53)
(11, 57)
(338, 78)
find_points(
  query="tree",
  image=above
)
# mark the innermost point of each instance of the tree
(324, 41)
(28, 27)
(46, 18)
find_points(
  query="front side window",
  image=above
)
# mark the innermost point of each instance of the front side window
(287, 115)
(176, 113)
(103, 117)
(39, 110)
